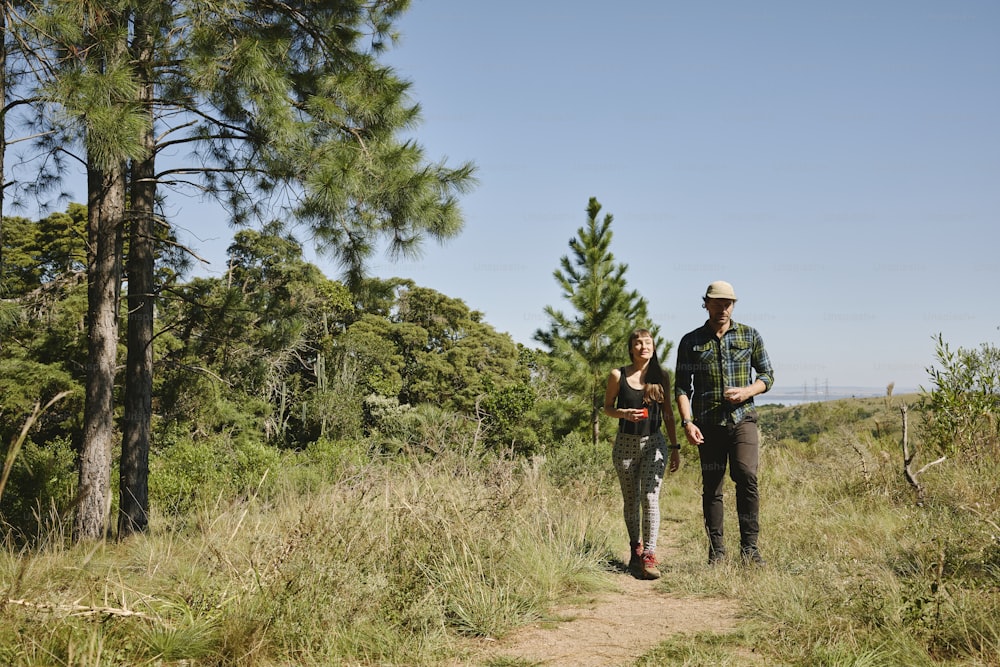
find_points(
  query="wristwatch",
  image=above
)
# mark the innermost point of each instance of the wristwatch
(685, 422)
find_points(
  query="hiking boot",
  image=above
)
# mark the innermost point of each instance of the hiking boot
(649, 566)
(716, 555)
(635, 560)
(751, 557)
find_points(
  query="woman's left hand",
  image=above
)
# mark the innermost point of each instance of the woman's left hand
(675, 460)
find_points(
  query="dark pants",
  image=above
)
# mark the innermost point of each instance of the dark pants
(737, 445)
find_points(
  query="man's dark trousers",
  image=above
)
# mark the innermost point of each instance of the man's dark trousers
(737, 445)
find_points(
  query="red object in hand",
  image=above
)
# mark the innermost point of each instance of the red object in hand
(645, 413)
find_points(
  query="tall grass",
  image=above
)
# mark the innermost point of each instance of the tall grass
(860, 573)
(351, 558)
(392, 564)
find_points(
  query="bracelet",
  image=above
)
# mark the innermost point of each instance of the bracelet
(673, 446)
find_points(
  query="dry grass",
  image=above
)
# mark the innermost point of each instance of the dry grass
(397, 561)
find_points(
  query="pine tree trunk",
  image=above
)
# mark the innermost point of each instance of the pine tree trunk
(106, 204)
(133, 513)
(134, 465)
(3, 128)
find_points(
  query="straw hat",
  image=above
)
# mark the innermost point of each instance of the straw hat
(720, 289)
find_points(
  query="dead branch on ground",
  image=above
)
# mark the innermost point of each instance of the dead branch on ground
(75, 609)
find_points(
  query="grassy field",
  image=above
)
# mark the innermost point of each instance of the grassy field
(397, 560)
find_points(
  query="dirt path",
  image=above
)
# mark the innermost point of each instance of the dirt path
(614, 628)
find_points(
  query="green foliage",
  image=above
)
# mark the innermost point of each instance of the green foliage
(256, 344)
(21, 272)
(298, 102)
(277, 347)
(507, 413)
(425, 430)
(386, 418)
(575, 463)
(962, 408)
(451, 357)
(368, 357)
(11, 315)
(41, 486)
(443, 432)
(329, 412)
(192, 473)
(23, 383)
(62, 240)
(389, 191)
(345, 556)
(43, 275)
(54, 328)
(807, 422)
(586, 344)
(323, 462)
(96, 92)
(280, 336)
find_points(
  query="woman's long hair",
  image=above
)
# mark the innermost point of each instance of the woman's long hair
(652, 389)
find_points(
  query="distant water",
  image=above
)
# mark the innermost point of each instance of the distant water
(831, 394)
(795, 401)
(777, 400)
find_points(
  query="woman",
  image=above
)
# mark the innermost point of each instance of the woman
(638, 395)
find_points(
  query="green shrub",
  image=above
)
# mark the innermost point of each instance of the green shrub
(962, 410)
(323, 462)
(191, 472)
(384, 416)
(437, 430)
(23, 383)
(575, 460)
(42, 480)
(331, 415)
(506, 413)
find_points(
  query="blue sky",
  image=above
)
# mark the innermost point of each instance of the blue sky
(839, 163)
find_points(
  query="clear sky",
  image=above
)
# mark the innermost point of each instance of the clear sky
(838, 162)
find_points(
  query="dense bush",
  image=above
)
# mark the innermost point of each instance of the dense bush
(40, 488)
(575, 461)
(191, 473)
(962, 409)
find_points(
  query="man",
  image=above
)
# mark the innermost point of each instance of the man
(721, 366)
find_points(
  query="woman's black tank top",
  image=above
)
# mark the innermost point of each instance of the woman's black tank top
(628, 397)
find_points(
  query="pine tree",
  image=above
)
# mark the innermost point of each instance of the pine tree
(98, 90)
(586, 343)
(282, 104)
(289, 114)
(133, 467)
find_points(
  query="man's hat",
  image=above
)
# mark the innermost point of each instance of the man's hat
(720, 289)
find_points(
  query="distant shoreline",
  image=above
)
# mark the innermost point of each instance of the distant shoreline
(826, 394)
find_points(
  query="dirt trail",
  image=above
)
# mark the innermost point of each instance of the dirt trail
(614, 628)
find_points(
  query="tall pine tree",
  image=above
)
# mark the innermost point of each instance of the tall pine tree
(592, 338)
(287, 112)
(282, 105)
(100, 91)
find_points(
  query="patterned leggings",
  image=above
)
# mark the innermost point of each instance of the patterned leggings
(640, 461)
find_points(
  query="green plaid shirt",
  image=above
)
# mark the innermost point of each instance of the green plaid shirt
(706, 365)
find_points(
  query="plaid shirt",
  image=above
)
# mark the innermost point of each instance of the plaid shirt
(706, 365)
